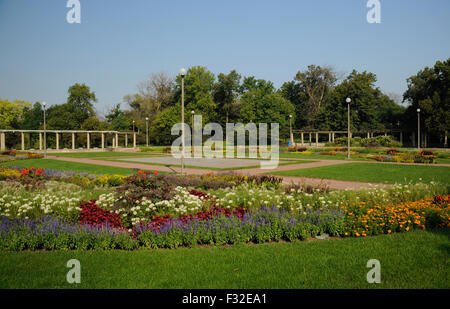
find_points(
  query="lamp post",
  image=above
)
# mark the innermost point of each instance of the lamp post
(192, 135)
(45, 131)
(348, 100)
(290, 130)
(183, 74)
(418, 129)
(133, 125)
(146, 135)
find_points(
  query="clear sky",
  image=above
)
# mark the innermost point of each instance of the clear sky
(119, 43)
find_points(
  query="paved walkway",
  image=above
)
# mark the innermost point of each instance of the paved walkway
(334, 184)
(140, 166)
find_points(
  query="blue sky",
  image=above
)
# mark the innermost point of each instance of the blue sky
(119, 43)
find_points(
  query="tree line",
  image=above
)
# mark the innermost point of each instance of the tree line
(315, 97)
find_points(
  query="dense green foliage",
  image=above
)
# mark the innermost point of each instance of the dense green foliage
(314, 98)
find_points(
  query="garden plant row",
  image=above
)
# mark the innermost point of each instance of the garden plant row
(50, 210)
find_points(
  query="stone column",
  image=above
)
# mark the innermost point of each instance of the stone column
(368, 134)
(22, 136)
(117, 140)
(2, 141)
(40, 141)
(329, 137)
(103, 140)
(310, 139)
(126, 140)
(88, 140)
(303, 140)
(113, 142)
(73, 141)
(332, 136)
(57, 141)
(317, 139)
(134, 139)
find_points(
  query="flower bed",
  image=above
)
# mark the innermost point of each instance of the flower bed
(364, 219)
(42, 209)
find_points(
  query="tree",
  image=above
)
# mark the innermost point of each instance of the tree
(198, 85)
(370, 108)
(11, 113)
(80, 102)
(260, 104)
(429, 90)
(314, 85)
(119, 120)
(33, 118)
(225, 93)
(156, 93)
(160, 130)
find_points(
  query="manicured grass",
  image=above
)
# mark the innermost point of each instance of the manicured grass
(69, 166)
(319, 156)
(212, 168)
(102, 154)
(443, 161)
(418, 259)
(375, 172)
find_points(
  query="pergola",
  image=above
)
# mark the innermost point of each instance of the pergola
(59, 133)
(331, 135)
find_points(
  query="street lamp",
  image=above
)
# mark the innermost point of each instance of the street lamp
(192, 135)
(348, 100)
(290, 130)
(133, 125)
(146, 123)
(45, 132)
(183, 74)
(418, 129)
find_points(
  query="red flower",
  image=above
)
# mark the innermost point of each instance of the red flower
(156, 173)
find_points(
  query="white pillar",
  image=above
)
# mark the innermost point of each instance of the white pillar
(117, 140)
(103, 140)
(23, 140)
(303, 140)
(57, 141)
(134, 139)
(73, 141)
(2, 141)
(317, 139)
(40, 141)
(126, 140)
(88, 141)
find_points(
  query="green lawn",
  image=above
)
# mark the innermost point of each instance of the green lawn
(292, 155)
(69, 166)
(257, 164)
(102, 154)
(419, 259)
(375, 172)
